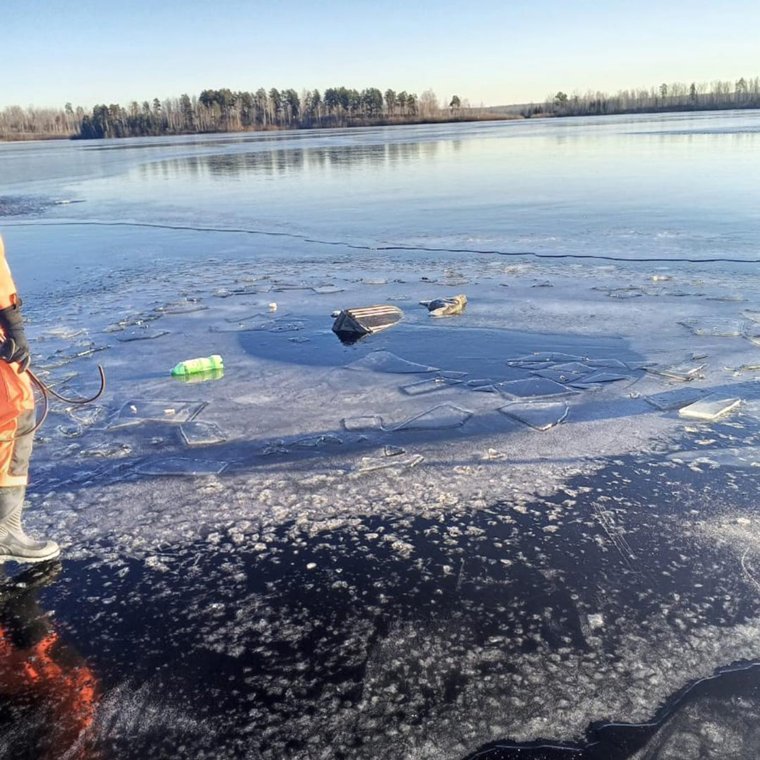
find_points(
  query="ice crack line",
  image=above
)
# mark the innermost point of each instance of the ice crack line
(394, 247)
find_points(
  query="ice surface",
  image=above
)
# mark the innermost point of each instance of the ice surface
(200, 433)
(136, 412)
(385, 361)
(709, 409)
(536, 414)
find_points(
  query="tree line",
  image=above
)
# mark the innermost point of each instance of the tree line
(230, 111)
(713, 96)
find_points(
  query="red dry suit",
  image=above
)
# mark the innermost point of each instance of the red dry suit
(16, 400)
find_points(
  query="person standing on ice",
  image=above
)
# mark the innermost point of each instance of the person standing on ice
(17, 419)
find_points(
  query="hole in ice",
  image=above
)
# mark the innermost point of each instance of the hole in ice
(715, 326)
(385, 361)
(140, 334)
(200, 433)
(180, 466)
(538, 387)
(135, 412)
(731, 457)
(370, 422)
(675, 399)
(540, 416)
(438, 418)
(709, 409)
(428, 386)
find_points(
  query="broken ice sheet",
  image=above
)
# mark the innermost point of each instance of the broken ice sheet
(180, 466)
(534, 387)
(683, 372)
(715, 326)
(428, 386)
(244, 325)
(675, 398)
(538, 415)
(316, 441)
(730, 457)
(327, 289)
(438, 418)
(139, 333)
(599, 377)
(136, 412)
(709, 409)
(200, 433)
(385, 361)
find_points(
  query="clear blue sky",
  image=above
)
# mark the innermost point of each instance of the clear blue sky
(487, 51)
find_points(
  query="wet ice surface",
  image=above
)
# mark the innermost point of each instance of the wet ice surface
(494, 528)
(361, 554)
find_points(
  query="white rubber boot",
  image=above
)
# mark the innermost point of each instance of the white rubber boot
(15, 545)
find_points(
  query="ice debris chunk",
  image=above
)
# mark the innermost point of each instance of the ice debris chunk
(385, 361)
(438, 418)
(200, 433)
(139, 333)
(180, 466)
(446, 307)
(535, 388)
(538, 415)
(355, 323)
(372, 464)
(709, 409)
(136, 412)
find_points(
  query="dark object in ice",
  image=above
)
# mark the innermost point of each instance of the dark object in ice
(355, 323)
(446, 307)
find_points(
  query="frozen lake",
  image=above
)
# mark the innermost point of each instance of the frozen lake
(530, 525)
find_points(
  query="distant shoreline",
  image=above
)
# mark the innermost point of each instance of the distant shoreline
(481, 116)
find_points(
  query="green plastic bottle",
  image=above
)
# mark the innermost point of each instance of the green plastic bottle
(193, 366)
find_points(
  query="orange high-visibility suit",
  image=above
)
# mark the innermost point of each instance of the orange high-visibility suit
(16, 400)
(41, 671)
